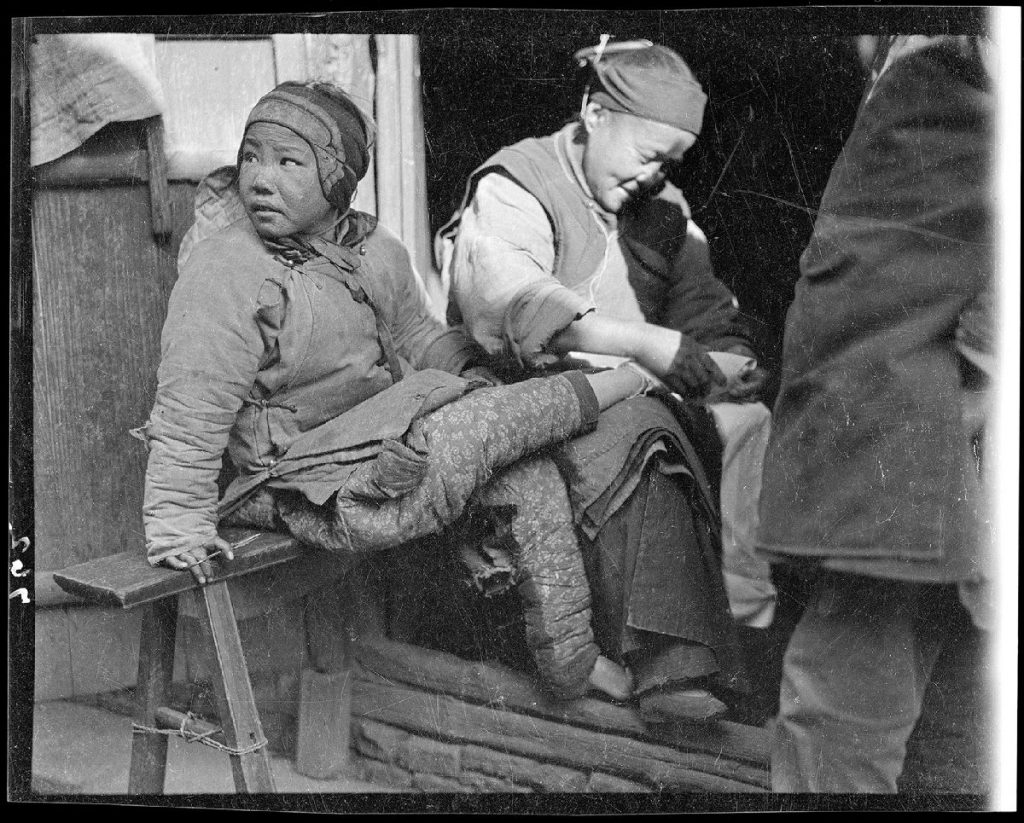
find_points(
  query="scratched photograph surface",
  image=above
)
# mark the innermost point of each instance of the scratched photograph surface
(579, 411)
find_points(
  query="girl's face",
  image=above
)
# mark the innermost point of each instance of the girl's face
(626, 156)
(280, 184)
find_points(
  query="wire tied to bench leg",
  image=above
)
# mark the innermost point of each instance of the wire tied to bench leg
(200, 737)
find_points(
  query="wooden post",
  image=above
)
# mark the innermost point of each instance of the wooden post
(339, 58)
(368, 617)
(159, 193)
(235, 701)
(325, 699)
(156, 665)
(401, 156)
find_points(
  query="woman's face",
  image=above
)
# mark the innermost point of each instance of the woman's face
(626, 156)
(280, 184)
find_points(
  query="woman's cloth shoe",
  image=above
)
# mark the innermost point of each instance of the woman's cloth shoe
(679, 702)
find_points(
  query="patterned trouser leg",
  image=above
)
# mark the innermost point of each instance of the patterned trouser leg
(465, 443)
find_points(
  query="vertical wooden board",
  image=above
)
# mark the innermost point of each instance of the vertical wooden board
(273, 642)
(367, 583)
(414, 192)
(100, 297)
(191, 637)
(104, 649)
(210, 86)
(180, 668)
(291, 57)
(401, 156)
(53, 655)
(389, 134)
(322, 741)
(344, 59)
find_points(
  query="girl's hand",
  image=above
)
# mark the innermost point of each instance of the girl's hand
(198, 559)
(481, 373)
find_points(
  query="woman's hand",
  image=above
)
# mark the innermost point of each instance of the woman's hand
(198, 559)
(746, 388)
(693, 373)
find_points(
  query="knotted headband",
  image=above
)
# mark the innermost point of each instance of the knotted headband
(337, 131)
(651, 82)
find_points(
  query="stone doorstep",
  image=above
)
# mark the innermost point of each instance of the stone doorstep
(543, 776)
(427, 756)
(378, 740)
(427, 782)
(386, 774)
(394, 756)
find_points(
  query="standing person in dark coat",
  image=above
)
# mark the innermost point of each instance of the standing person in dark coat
(870, 480)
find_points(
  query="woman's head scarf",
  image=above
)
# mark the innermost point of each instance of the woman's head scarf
(335, 128)
(651, 82)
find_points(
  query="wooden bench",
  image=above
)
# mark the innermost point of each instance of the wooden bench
(362, 675)
(128, 581)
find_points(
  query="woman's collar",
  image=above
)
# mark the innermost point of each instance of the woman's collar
(570, 157)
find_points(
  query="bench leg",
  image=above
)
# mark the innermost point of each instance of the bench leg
(156, 663)
(235, 701)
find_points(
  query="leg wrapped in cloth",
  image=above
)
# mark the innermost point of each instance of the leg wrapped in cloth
(549, 573)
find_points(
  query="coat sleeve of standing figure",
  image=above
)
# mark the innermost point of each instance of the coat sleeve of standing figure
(211, 348)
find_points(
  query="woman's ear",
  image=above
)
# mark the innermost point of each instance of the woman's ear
(594, 114)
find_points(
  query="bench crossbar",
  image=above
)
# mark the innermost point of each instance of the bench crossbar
(127, 580)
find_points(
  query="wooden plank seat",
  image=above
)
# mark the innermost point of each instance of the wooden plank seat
(237, 590)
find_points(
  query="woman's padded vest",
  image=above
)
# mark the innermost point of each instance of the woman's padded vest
(652, 231)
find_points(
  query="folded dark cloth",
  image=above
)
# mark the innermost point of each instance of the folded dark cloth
(603, 467)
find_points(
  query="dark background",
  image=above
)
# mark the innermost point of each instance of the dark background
(784, 85)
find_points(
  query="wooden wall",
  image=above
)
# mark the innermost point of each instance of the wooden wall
(102, 284)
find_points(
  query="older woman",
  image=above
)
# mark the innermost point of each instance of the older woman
(299, 340)
(577, 243)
